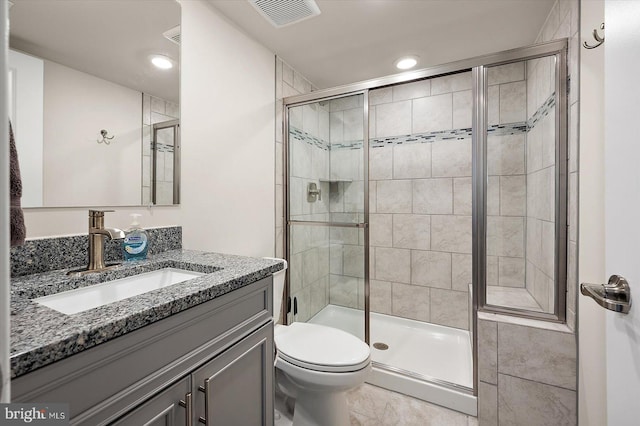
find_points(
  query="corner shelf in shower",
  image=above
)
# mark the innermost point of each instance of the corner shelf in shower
(333, 184)
(336, 180)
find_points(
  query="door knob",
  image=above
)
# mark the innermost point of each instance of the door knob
(615, 295)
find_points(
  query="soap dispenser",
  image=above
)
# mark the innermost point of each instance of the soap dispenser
(136, 241)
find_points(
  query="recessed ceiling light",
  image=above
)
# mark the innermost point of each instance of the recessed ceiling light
(161, 62)
(407, 62)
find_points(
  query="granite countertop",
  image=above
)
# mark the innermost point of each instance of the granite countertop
(41, 336)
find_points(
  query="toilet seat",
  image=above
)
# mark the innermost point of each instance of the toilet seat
(320, 348)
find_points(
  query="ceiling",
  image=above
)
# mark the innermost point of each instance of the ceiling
(109, 39)
(351, 40)
(355, 40)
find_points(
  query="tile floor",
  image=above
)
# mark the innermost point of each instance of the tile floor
(373, 406)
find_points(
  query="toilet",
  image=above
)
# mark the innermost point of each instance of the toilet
(316, 365)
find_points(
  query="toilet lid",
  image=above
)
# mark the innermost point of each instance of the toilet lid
(321, 348)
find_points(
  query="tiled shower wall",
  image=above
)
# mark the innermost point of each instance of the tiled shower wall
(309, 163)
(156, 110)
(327, 263)
(420, 171)
(288, 83)
(521, 187)
(506, 168)
(420, 199)
(309, 264)
(346, 196)
(527, 371)
(541, 173)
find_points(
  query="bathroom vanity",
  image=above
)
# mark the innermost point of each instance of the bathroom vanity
(198, 352)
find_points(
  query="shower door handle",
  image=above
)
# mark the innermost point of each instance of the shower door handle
(615, 295)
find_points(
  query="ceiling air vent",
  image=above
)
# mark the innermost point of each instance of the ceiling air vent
(173, 34)
(282, 13)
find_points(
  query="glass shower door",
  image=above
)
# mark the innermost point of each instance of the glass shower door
(165, 164)
(326, 214)
(421, 229)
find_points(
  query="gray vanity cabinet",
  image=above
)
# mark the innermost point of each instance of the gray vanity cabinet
(234, 388)
(140, 377)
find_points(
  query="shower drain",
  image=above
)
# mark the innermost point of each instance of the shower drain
(381, 346)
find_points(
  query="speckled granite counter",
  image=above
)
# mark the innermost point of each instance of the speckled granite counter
(41, 336)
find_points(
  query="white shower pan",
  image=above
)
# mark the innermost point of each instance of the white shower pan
(426, 361)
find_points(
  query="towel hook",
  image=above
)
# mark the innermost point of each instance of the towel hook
(105, 138)
(597, 37)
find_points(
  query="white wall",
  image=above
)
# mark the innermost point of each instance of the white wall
(228, 132)
(591, 351)
(78, 171)
(42, 223)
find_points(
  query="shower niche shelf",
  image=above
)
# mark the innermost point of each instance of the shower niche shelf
(330, 181)
(334, 184)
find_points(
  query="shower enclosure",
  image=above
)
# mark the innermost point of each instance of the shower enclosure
(415, 201)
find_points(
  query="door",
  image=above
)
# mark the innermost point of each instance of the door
(622, 204)
(236, 387)
(591, 319)
(327, 212)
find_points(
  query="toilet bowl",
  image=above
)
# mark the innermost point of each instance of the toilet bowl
(316, 365)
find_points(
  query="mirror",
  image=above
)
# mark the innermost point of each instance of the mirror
(86, 102)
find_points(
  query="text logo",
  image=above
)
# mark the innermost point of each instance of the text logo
(34, 414)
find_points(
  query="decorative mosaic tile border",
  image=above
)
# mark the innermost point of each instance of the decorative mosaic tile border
(162, 147)
(346, 145)
(428, 137)
(542, 112)
(303, 136)
(50, 254)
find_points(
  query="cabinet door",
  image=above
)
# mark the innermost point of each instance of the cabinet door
(164, 409)
(236, 387)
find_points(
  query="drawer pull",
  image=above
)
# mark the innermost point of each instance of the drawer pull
(205, 389)
(188, 405)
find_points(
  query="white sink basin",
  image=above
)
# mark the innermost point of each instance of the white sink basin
(82, 299)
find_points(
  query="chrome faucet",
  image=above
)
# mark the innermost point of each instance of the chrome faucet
(97, 235)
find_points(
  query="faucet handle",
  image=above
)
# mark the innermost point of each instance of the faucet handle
(99, 213)
(96, 219)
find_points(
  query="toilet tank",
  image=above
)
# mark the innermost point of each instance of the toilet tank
(278, 289)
